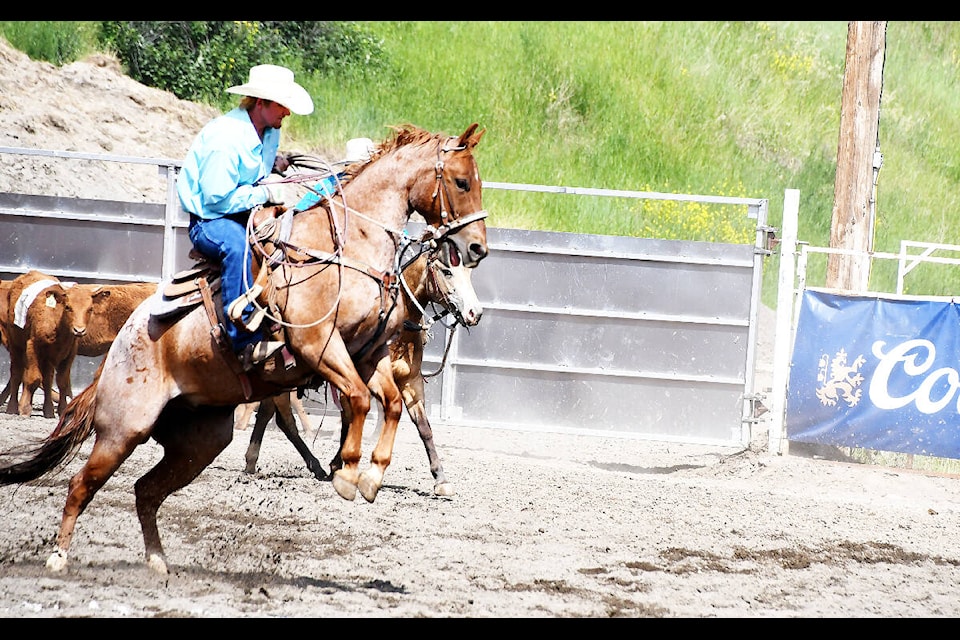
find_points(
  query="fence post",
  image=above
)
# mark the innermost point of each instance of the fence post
(784, 331)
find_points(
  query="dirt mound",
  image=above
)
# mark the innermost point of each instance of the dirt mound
(88, 106)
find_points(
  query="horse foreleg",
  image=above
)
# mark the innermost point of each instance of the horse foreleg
(336, 367)
(287, 424)
(347, 474)
(385, 389)
(191, 440)
(418, 413)
(345, 418)
(407, 367)
(265, 411)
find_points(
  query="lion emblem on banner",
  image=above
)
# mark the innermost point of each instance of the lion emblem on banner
(843, 380)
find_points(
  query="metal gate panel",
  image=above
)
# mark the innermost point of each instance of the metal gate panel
(603, 335)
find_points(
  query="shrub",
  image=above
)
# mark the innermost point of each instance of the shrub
(197, 60)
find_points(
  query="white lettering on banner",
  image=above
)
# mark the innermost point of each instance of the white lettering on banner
(911, 354)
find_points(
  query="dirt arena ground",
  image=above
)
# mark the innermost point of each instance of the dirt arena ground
(542, 525)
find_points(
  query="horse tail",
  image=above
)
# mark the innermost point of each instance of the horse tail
(60, 447)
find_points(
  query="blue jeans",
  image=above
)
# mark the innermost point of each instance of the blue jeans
(225, 241)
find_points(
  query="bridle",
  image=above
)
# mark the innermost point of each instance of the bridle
(441, 256)
(448, 227)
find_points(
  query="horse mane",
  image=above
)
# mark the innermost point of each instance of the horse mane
(403, 135)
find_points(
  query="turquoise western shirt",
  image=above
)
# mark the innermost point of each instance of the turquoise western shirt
(223, 165)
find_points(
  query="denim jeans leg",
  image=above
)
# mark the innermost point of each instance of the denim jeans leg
(225, 240)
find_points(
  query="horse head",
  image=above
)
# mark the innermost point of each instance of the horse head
(449, 284)
(451, 200)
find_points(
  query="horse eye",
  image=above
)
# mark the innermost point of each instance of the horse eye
(462, 184)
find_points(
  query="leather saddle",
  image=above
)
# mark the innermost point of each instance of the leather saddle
(182, 292)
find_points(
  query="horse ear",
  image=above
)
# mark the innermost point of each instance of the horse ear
(468, 139)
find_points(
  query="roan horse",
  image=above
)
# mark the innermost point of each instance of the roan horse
(435, 278)
(334, 285)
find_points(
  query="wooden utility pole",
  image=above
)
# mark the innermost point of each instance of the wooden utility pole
(858, 156)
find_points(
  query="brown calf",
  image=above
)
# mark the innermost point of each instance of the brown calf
(43, 336)
(4, 296)
(109, 312)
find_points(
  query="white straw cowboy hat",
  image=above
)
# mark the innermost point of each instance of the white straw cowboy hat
(272, 82)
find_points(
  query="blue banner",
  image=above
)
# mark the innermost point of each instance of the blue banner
(876, 373)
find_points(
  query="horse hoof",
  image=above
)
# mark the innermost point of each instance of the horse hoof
(57, 561)
(444, 489)
(346, 489)
(157, 563)
(369, 486)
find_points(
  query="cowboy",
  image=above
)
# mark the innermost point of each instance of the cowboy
(222, 180)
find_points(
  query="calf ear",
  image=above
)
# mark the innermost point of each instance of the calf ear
(101, 294)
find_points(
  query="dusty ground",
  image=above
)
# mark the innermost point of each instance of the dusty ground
(543, 525)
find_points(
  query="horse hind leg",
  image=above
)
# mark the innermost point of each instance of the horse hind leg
(191, 440)
(105, 458)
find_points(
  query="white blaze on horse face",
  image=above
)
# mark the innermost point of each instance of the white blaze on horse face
(463, 295)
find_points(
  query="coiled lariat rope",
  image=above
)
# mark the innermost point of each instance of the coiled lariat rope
(257, 237)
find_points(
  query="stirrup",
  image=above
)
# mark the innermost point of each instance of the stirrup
(252, 324)
(254, 354)
(235, 310)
